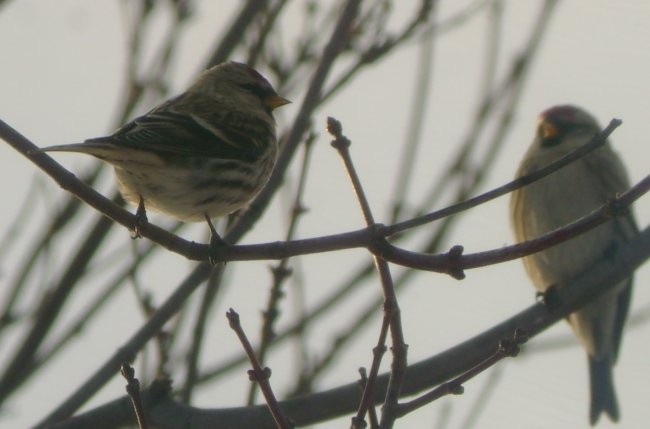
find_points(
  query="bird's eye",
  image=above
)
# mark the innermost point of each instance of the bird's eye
(254, 89)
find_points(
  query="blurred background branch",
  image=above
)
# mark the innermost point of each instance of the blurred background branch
(69, 277)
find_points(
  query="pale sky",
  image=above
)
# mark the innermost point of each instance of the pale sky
(62, 74)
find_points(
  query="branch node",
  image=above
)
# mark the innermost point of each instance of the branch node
(263, 374)
(456, 388)
(520, 336)
(133, 389)
(508, 347)
(616, 208)
(358, 423)
(280, 272)
(453, 257)
(379, 350)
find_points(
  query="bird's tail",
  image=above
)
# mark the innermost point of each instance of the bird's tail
(89, 148)
(603, 395)
(100, 149)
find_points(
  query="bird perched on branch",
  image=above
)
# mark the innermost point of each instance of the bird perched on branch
(558, 199)
(202, 154)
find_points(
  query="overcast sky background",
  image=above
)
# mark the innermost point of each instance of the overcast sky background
(62, 76)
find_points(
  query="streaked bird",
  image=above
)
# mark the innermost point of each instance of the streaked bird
(558, 199)
(202, 154)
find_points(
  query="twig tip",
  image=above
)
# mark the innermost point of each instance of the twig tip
(233, 318)
(334, 127)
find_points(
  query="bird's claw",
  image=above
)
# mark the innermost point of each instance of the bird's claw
(141, 220)
(550, 298)
(216, 242)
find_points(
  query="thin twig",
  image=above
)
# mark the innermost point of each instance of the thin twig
(413, 138)
(133, 389)
(234, 34)
(282, 271)
(359, 238)
(313, 98)
(265, 30)
(258, 374)
(597, 141)
(49, 307)
(438, 234)
(85, 315)
(432, 371)
(207, 302)
(372, 413)
(379, 48)
(482, 398)
(506, 348)
(454, 262)
(272, 250)
(22, 362)
(392, 317)
(125, 353)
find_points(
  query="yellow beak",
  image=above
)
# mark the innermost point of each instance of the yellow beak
(549, 130)
(274, 101)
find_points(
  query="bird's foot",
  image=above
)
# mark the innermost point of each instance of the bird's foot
(216, 242)
(550, 298)
(140, 220)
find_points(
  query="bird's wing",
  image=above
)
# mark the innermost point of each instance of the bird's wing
(614, 181)
(622, 308)
(169, 132)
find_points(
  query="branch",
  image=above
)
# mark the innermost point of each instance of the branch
(597, 141)
(367, 237)
(125, 353)
(454, 263)
(420, 376)
(391, 314)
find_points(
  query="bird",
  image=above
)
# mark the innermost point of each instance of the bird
(558, 199)
(199, 155)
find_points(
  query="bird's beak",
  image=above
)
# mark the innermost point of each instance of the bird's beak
(548, 130)
(275, 101)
